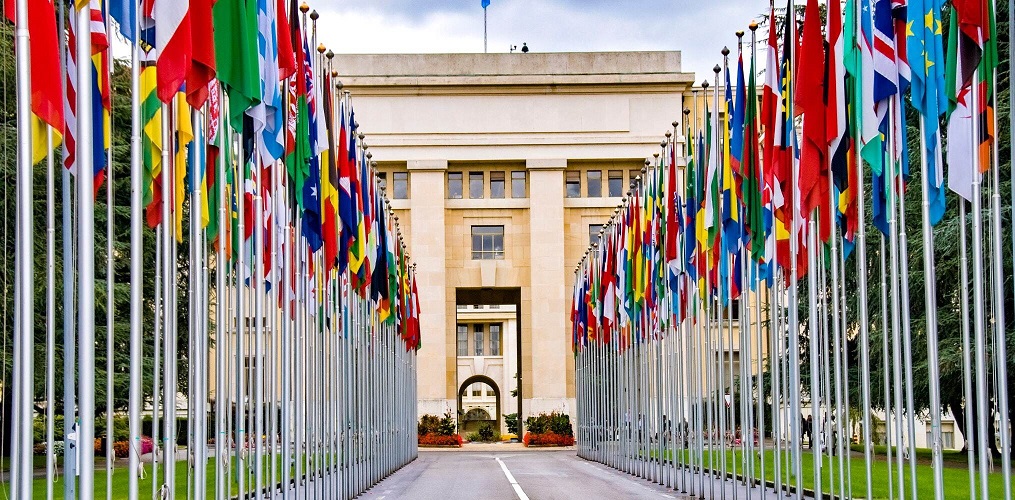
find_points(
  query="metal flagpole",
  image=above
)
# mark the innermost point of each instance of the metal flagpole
(794, 322)
(198, 300)
(241, 323)
(896, 320)
(169, 312)
(158, 328)
(110, 277)
(221, 298)
(86, 261)
(967, 374)
(136, 272)
(1000, 340)
(484, 31)
(50, 317)
(978, 298)
(24, 293)
(70, 455)
(930, 309)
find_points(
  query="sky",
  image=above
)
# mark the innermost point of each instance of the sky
(698, 29)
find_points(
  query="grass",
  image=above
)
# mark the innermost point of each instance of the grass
(956, 479)
(121, 477)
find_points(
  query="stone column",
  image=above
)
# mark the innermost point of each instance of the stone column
(427, 188)
(545, 351)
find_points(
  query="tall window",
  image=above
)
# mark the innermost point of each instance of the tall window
(594, 233)
(401, 186)
(594, 183)
(478, 341)
(487, 242)
(495, 340)
(496, 184)
(455, 185)
(573, 184)
(463, 340)
(616, 183)
(518, 184)
(475, 185)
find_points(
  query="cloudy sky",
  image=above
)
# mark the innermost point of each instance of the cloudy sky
(699, 29)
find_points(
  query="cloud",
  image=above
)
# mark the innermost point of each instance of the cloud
(698, 29)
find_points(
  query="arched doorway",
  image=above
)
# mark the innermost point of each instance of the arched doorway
(474, 404)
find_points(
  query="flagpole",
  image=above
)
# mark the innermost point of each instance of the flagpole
(86, 260)
(50, 316)
(136, 272)
(221, 298)
(967, 373)
(484, 31)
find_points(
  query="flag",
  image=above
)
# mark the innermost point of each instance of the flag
(810, 101)
(44, 76)
(753, 184)
(151, 139)
(329, 184)
(925, 45)
(173, 44)
(286, 56)
(236, 56)
(312, 183)
(125, 13)
(184, 143)
(485, 3)
(98, 111)
(267, 113)
(202, 66)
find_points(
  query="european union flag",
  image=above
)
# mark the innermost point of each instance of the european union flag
(926, 56)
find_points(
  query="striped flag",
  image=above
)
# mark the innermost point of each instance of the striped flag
(98, 112)
(151, 139)
(174, 45)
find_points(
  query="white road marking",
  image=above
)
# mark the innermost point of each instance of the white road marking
(511, 479)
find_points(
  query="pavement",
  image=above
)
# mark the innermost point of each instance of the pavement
(536, 474)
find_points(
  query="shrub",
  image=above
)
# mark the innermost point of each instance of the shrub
(439, 440)
(486, 433)
(555, 422)
(121, 449)
(472, 437)
(511, 421)
(146, 444)
(547, 439)
(428, 424)
(447, 426)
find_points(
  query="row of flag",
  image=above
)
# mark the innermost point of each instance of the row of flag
(238, 80)
(754, 180)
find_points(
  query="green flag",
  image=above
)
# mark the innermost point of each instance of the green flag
(236, 55)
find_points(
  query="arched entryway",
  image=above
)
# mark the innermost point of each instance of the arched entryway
(471, 418)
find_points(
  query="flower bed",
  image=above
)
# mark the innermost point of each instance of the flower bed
(548, 439)
(436, 440)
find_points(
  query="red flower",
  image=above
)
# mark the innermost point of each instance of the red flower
(547, 439)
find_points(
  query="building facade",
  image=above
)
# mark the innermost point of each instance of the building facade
(501, 168)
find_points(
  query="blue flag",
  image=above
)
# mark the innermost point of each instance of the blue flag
(925, 45)
(485, 3)
(125, 13)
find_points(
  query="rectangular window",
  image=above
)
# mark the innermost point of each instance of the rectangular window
(382, 180)
(476, 185)
(496, 184)
(518, 184)
(401, 186)
(476, 391)
(463, 340)
(495, 340)
(573, 184)
(455, 185)
(478, 341)
(616, 183)
(487, 242)
(594, 183)
(594, 233)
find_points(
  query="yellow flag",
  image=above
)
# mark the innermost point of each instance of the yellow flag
(184, 136)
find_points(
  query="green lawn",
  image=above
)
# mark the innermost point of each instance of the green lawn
(956, 479)
(121, 477)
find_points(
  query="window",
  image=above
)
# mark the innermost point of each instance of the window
(495, 340)
(475, 185)
(594, 183)
(573, 184)
(616, 183)
(633, 175)
(455, 185)
(496, 184)
(518, 184)
(478, 345)
(382, 180)
(401, 185)
(477, 392)
(487, 242)
(463, 340)
(594, 233)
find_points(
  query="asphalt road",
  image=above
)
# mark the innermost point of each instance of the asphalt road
(535, 475)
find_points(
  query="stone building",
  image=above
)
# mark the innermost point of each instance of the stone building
(501, 168)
